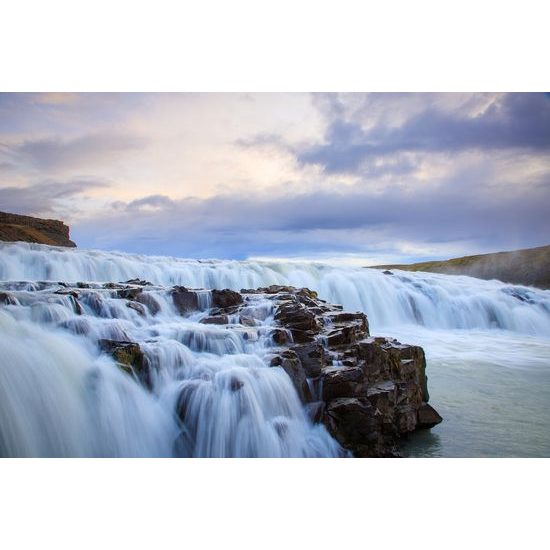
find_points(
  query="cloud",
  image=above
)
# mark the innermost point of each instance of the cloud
(44, 198)
(53, 153)
(514, 121)
(323, 222)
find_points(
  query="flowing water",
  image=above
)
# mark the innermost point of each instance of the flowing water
(487, 345)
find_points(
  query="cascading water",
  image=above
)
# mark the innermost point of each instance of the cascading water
(431, 300)
(59, 396)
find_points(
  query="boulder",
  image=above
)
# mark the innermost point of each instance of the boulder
(428, 417)
(149, 302)
(226, 298)
(186, 301)
(129, 358)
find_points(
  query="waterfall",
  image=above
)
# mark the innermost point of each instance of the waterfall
(430, 300)
(211, 390)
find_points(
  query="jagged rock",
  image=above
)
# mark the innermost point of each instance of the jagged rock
(290, 363)
(137, 282)
(353, 421)
(215, 320)
(129, 293)
(312, 357)
(342, 382)
(186, 301)
(226, 298)
(428, 417)
(113, 286)
(301, 322)
(280, 336)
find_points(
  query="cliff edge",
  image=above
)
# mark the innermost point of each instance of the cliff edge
(14, 227)
(530, 266)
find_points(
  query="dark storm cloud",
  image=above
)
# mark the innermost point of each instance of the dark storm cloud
(516, 121)
(43, 198)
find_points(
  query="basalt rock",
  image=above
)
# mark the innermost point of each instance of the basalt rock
(374, 390)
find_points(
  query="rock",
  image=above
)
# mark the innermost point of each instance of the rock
(137, 282)
(129, 293)
(149, 302)
(280, 336)
(215, 320)
(312, 356)
(301, 322)
(7, 299)
(226, 298)
(352, 421)
(428, 417)
(137, 307)
(129, 358)
(186, 301)
(289, 362)
(342, 382)
(14, 227)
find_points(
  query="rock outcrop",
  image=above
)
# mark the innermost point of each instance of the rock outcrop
(371, 391)
(14, 227)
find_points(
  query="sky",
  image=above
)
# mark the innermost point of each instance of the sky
(357, 178)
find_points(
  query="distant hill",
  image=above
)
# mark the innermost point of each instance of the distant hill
(530, 266)
(14, 227)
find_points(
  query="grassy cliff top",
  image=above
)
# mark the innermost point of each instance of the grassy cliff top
(529, 266)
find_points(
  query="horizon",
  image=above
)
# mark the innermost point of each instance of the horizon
(358, 179)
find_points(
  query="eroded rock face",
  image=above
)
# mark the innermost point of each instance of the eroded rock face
(373, 390)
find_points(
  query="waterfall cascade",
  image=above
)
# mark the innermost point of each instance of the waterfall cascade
(60, 396)
(431, 300)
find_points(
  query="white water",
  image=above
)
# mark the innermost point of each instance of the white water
(457, 320)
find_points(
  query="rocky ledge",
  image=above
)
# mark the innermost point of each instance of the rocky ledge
(368, 391)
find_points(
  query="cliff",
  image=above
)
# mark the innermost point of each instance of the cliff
(14, 227)
(529, 266)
